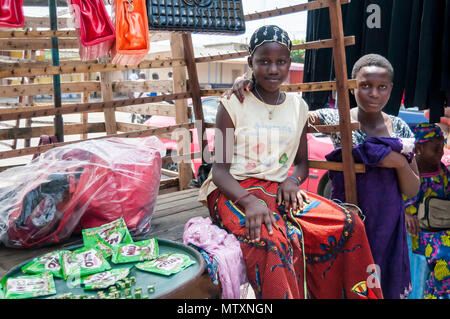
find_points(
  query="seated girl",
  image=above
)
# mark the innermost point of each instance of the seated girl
(295, 244)
(385, 227)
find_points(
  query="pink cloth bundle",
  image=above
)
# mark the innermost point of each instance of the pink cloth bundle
(225, 247)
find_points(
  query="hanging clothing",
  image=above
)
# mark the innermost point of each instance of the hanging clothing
(435, 246)
(398, 42)
(430, 41)
(319, 65)
(377, 17)
(328, 237)
(445, 75)
(421, 63)
(385, 219)
(411, 52)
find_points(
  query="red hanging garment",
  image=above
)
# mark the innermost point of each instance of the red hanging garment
(132, 35)
(11, 14)
(96, 32)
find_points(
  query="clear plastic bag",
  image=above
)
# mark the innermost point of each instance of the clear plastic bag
(80, 186)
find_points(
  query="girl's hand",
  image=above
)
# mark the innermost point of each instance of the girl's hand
(255, 214)
(292, 196)
(412, 224)
(240, 85)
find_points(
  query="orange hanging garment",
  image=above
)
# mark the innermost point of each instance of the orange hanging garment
(132, 35)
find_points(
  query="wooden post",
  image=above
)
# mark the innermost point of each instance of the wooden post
(30, 98)
(194, 89)
(22, 99)
(85, 99)
(340, 66)
(27, 54)
(58, 120)
(181, 108)
(108, 95)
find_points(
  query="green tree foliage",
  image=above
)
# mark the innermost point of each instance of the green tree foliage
(298, 56)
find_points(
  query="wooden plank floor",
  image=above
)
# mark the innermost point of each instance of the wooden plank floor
(172, 212)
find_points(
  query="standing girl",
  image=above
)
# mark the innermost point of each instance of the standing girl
(295, 245)
(385, 225)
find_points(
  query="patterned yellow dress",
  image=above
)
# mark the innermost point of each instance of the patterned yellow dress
(435, 246)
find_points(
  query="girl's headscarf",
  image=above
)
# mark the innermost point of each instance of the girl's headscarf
(424, 132)
(269, 33)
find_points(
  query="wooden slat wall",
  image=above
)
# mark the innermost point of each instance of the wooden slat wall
(176, 90)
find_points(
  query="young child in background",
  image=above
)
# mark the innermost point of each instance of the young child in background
(434, 247)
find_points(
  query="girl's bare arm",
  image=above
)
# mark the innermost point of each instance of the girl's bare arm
(255, 212)
(407, 173)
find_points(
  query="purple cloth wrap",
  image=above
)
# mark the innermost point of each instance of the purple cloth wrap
(380, 200)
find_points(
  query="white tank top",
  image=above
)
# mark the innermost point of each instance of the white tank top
(263, 148)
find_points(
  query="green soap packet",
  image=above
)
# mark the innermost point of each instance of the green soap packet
(138, 251)
(30, 286)
(3, 287)
(167, 264)
(47, 263)
(96, 242)
(104, 279)
(108, 237)
(82, 262)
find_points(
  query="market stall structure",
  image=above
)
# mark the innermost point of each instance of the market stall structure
(176, 203)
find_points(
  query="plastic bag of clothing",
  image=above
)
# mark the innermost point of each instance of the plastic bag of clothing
(80, 186)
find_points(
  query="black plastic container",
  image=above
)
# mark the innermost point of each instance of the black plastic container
(198, 16)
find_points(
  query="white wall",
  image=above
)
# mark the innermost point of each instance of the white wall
(219, 72)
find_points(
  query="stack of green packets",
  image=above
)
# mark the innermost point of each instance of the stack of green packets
(89, 266)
